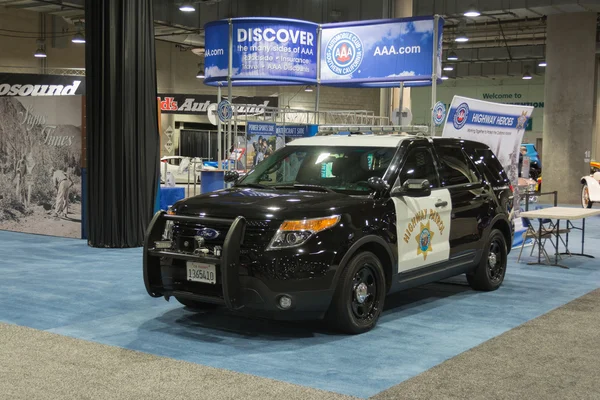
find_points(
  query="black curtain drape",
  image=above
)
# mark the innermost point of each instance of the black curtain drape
(121, 121)
(195, 143)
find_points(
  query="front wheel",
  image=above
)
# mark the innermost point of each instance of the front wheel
(359, 297)
(585, 197)
(490, 272)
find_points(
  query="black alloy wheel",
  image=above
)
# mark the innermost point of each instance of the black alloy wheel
(495, 265)
(364, 294)
(489, 273)
(359, 296)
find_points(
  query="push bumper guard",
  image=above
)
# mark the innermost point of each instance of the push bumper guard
(228, 262)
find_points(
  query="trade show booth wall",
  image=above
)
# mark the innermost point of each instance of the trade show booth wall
(42, 154)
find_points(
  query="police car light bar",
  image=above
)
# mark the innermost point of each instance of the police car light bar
(375, 129)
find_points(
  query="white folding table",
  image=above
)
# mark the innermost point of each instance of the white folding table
(561, 213)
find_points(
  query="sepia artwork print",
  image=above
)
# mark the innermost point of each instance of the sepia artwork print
(40, 165)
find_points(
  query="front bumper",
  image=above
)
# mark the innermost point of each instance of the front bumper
(165, 276)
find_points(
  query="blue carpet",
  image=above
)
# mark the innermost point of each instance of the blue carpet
(66, 287)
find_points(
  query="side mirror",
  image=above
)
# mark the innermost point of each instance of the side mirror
(231, 176)
(377, 183)
(413, 188)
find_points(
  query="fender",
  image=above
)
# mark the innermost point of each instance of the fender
(593, 187)
(355, 248)
(511, 233)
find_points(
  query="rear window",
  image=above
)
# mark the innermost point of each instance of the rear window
(491, 167)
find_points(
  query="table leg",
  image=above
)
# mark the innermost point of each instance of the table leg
(539, 262)
(540, 242)
(582, 235)
(557, 239)
(569, 226)
(582, 229)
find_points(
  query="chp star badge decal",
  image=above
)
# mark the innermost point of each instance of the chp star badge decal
(522, 120)
(423, 239)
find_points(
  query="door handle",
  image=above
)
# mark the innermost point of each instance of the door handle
(441, 203)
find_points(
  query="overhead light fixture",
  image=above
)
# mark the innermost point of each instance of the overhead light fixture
(448, 68)
(527, 75)
(187, 7)
(445, 78)
(542, 64)
(200, 74)
(40, 52)
(308, 89)
(78, 38)
(461, 38)
(472, 12)
(452, 56)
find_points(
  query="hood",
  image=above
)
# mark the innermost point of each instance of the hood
(266, 204)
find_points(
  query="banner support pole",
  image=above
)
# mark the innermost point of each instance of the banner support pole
(318, 95)
(434, 67)
(400, 102)
(229, 90)
(219, 149)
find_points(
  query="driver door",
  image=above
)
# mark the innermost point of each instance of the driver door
(422, 219)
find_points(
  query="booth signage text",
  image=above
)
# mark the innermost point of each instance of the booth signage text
(268, 51)
(378, 51)
(23, 85)
(260, 128)
(199, 104)
(292, 131)
(264, 49)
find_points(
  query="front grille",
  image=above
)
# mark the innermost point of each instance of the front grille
(257, 236)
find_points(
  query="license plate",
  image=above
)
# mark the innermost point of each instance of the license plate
(201, 272)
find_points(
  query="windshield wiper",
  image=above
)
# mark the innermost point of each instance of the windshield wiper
(315, 188)
(252, 185)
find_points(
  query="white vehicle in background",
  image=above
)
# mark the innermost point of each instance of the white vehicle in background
(590, 192)
(180, 168)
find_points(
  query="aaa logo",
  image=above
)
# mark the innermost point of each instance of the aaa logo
(461, 115)
(424, 240)
(344, 53)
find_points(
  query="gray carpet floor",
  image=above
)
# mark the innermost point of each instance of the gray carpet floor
(556, 356)
(41, 365)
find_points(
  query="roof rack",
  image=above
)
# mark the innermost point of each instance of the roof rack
(417, 130)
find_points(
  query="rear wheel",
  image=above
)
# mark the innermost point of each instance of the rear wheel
(585, 197)
(490, 272)
(196, 305)
(359, 297)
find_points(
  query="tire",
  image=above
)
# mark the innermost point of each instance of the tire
(196, 305)
(585, 197)
(491, 270)
(360, 294)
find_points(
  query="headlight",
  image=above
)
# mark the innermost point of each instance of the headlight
(295, 233)
(168, 232)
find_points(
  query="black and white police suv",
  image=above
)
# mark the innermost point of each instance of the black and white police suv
(327, 226)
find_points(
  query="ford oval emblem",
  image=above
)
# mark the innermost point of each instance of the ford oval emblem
(208, 233)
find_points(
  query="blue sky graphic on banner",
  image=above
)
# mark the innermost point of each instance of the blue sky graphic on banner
(216, 54)
(269, 50)
(378, 51)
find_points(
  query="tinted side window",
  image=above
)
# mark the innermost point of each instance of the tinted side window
(419, 165)
(455, 168)
(493, 170)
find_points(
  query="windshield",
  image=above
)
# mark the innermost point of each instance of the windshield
(342, 169)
